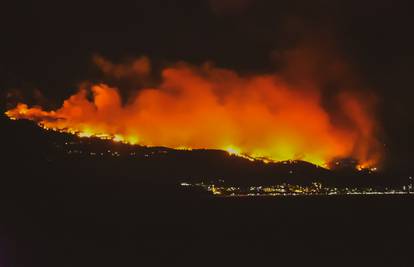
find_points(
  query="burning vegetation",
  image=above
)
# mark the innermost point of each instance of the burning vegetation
(266, 116)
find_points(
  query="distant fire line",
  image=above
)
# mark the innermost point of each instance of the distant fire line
(117, 138)
(264, 117)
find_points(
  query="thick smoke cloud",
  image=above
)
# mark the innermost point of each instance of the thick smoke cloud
(278, 116)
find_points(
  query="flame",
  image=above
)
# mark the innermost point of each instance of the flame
(257, 117)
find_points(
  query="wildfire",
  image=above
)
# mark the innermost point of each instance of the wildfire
(258, 117)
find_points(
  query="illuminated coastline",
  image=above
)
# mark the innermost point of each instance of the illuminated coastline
(287, 190)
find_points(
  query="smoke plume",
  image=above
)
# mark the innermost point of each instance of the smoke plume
(276, 116)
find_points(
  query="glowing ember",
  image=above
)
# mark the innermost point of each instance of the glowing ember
(260, 116)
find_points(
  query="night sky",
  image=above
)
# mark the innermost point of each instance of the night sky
(48, 45)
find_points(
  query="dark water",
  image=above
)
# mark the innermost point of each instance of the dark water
(113, 228)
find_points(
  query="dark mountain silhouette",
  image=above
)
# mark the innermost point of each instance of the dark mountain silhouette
(64, 156)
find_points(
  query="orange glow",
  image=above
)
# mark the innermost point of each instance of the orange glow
(258, 117)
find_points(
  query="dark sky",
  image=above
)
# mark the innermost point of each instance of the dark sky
(49, 44)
